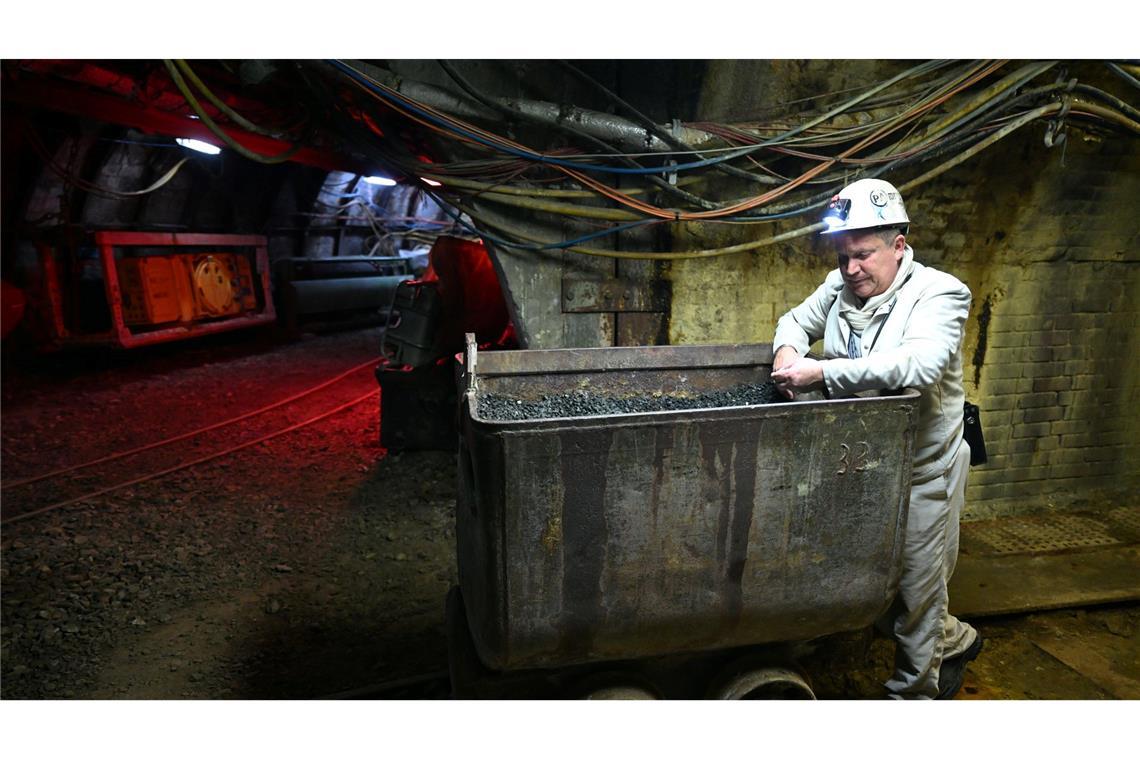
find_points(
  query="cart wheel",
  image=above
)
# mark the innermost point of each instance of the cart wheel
(764, 682)
(614, 684)
(621, 692)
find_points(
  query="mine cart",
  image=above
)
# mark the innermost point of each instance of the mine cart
(644, 541)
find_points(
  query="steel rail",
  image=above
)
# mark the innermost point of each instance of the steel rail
(184, 465)
(184, 436)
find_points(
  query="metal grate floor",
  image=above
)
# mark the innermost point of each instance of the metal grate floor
(1051, 533)
(1127, 520)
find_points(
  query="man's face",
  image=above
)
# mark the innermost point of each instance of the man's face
(867, 263)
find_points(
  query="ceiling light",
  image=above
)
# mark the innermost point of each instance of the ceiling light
(198, 145)
(383, 181)
(431, 182)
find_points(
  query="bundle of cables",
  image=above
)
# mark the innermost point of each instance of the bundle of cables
(935, 111)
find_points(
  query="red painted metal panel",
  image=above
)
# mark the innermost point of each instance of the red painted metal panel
(78, 101)
(156, 90)
(52, 300)
(123, 238)
(114, 294)
(12, 305)
(262, 261)
(165, 335)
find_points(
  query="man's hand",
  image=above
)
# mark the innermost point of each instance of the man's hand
(800, 376)
(786, 356)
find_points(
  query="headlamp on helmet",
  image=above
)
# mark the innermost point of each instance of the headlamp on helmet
(837, 211)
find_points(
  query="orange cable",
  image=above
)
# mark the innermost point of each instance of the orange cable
(657, 212)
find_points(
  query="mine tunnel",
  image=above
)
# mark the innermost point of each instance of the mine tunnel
(453, 379)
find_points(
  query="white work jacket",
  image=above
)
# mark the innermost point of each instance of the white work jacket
(914, 340)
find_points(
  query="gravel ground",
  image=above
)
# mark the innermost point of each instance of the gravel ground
(303, 566)
(313, 563)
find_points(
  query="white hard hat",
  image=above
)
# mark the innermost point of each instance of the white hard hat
(864, 204)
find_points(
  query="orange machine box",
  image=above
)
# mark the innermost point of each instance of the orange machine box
(184, 287)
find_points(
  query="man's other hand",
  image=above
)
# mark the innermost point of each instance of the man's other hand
(800, 376)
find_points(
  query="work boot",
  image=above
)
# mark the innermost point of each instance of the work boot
(953, 670)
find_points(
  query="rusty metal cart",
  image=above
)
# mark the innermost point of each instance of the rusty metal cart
(643, 543)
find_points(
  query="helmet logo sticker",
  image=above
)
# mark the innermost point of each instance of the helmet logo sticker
(879, 197)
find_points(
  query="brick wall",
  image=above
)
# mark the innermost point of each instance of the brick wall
(1049, 243)
(1057, 386)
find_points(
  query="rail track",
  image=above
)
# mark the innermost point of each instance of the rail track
(29, 497)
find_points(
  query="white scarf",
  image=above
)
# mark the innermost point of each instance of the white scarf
(859, 315)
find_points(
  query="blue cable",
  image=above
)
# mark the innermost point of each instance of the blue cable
(353, 74)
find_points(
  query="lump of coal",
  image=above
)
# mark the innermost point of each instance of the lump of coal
(584, 403)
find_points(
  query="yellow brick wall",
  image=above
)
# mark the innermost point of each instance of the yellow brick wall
(739, 299)
(1050, 240)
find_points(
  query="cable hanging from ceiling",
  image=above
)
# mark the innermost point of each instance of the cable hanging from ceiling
(195, 104)
(574, 245)
(929, 134)
(437, 121)
(72, 179)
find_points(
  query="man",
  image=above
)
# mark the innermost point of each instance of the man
(887, 321)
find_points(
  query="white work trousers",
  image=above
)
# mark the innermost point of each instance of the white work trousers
(919, 619)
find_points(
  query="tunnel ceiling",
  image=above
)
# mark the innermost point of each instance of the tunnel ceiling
(584, 153)
(278, 120)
